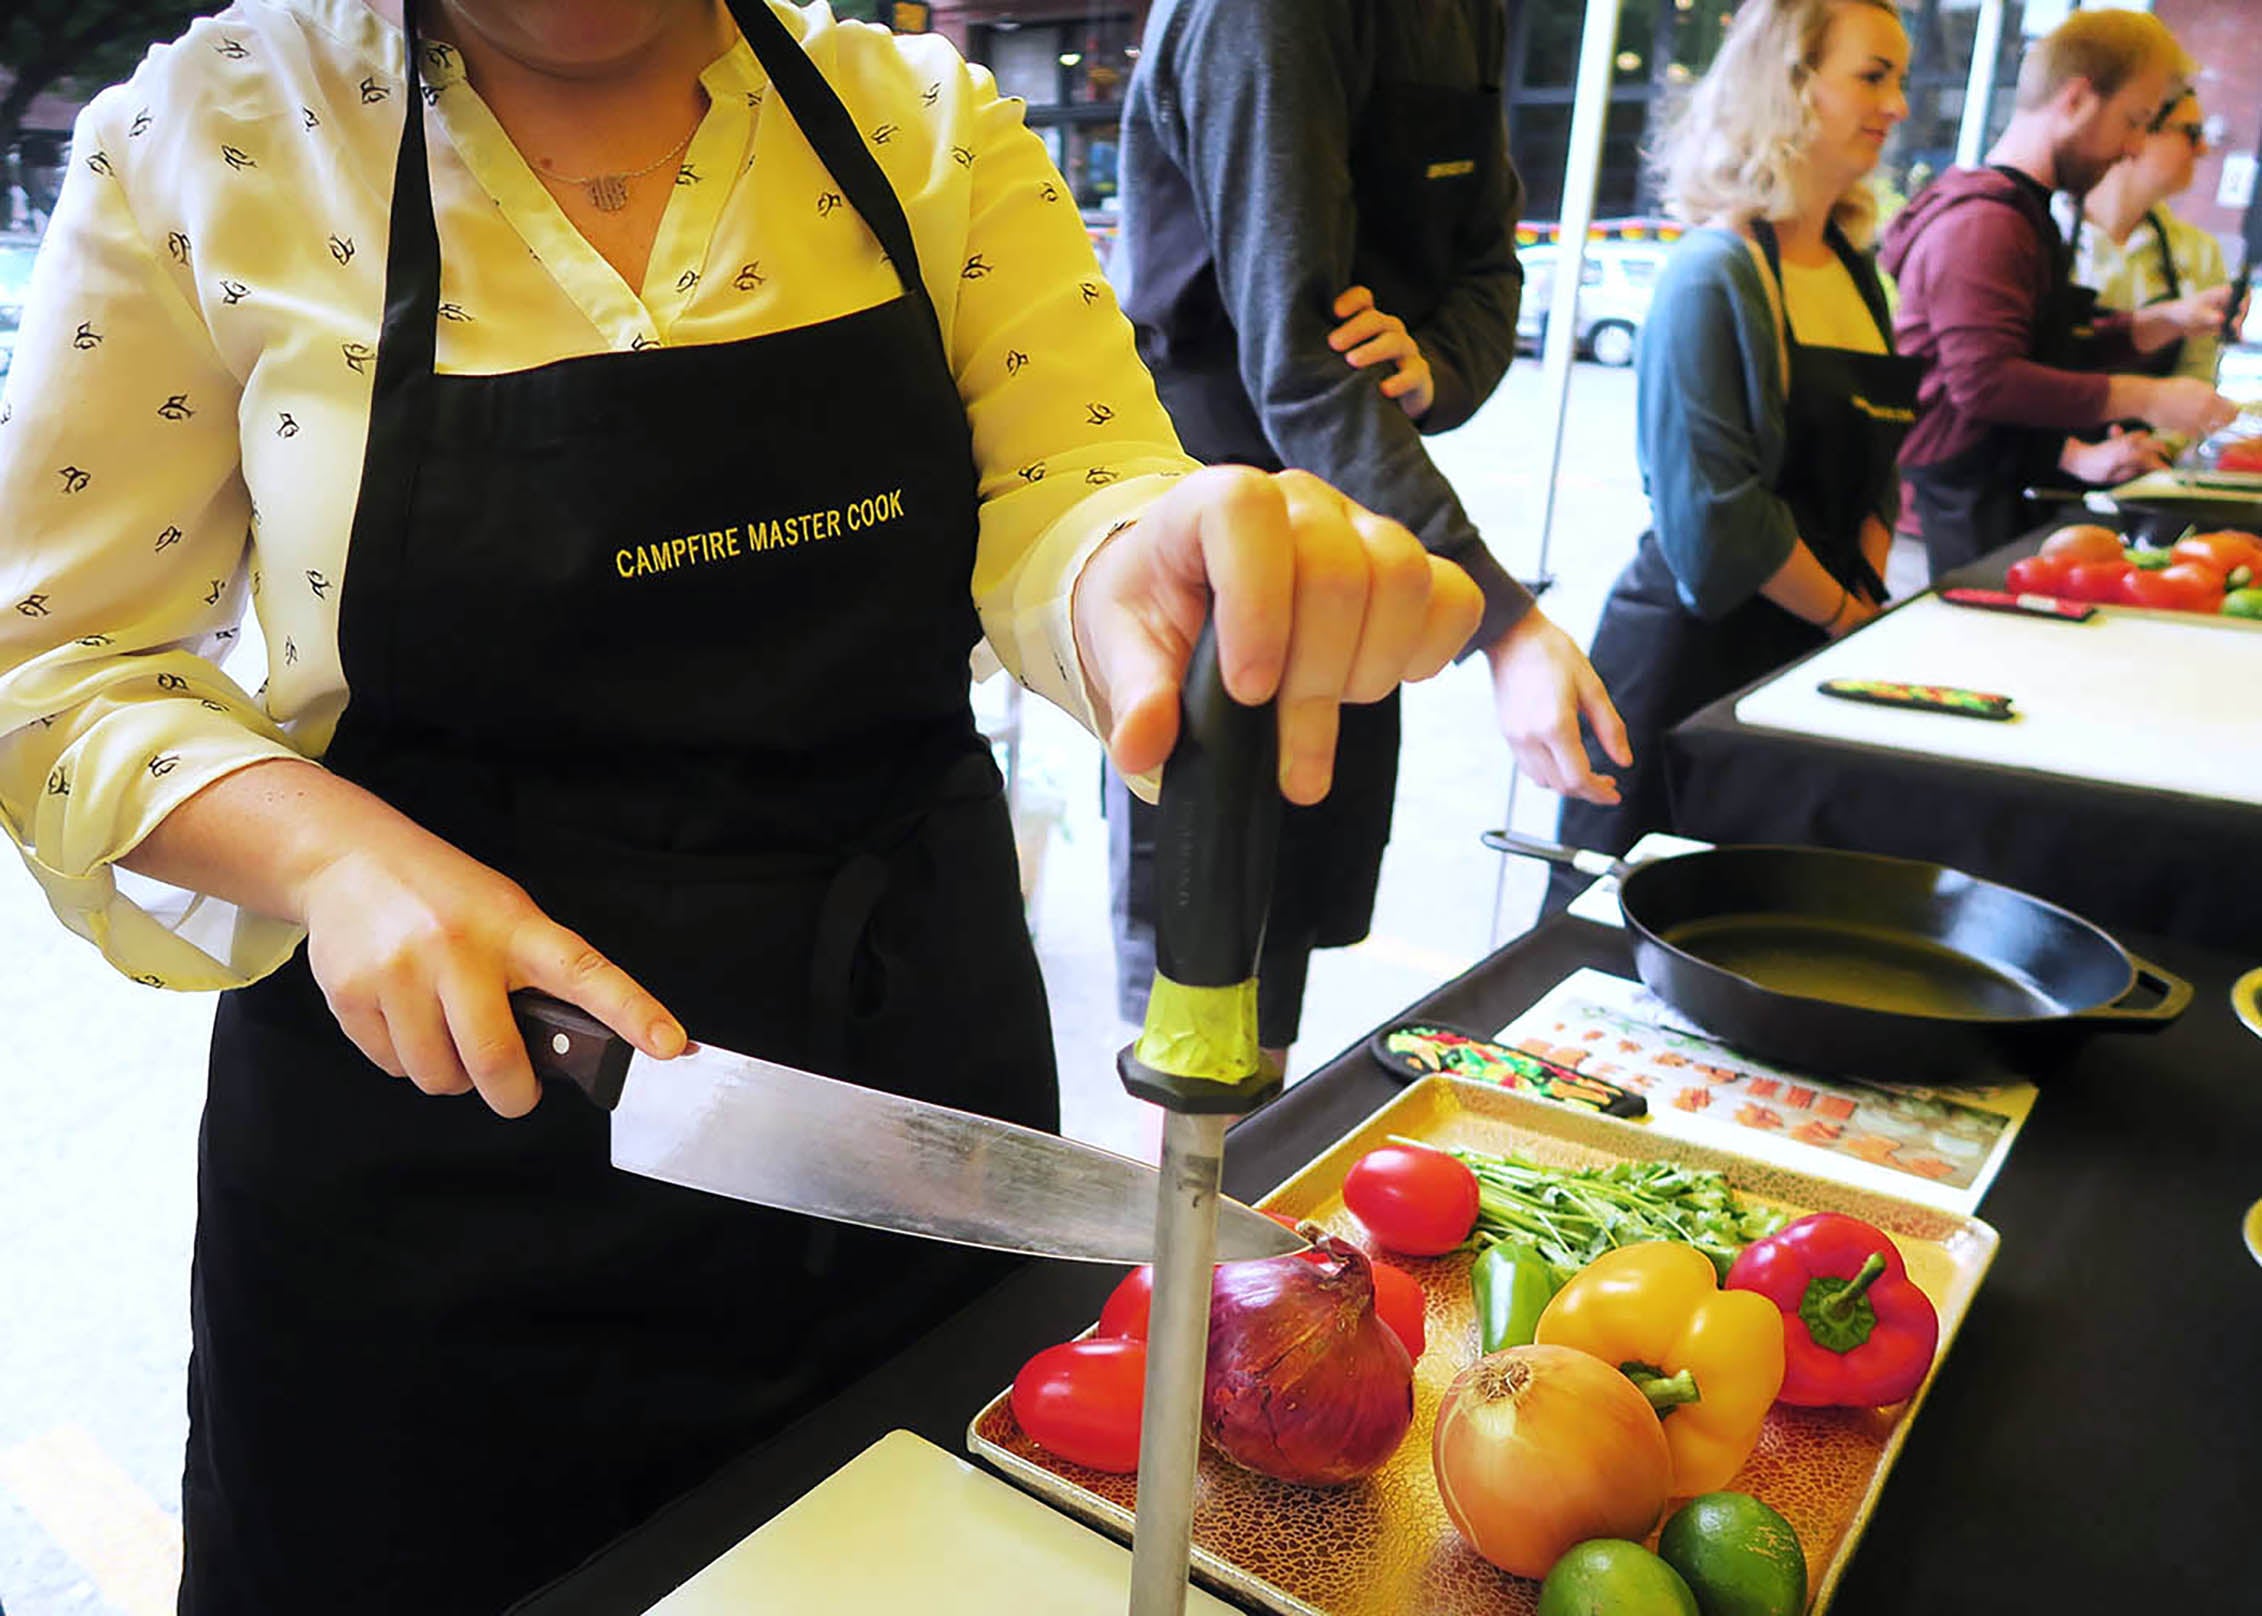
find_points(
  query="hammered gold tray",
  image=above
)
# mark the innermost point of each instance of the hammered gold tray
(1383, 1544)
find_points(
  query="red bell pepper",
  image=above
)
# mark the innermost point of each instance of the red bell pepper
(1857, 1332)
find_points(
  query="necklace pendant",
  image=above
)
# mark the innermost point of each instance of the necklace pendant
(608, 193)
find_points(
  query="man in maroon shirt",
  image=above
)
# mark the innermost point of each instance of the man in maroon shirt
(2016, 362)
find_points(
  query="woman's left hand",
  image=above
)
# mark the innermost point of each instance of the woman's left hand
(1368, 336)
(1318, 601)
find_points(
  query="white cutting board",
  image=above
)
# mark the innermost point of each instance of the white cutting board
(905, 1529)
(2134, 700)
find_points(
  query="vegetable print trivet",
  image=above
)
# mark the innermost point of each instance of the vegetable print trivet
(1930, 1145)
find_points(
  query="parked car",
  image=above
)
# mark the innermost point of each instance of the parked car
(1614, 289)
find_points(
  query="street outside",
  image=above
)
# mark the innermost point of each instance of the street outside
(105, 1077)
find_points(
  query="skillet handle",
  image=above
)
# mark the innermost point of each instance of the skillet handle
(1581, 859)
(2174, 991)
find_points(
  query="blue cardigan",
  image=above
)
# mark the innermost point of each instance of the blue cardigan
(1711, 427)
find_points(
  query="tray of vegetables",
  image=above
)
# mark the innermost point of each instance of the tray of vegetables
(1538, 1359)
(2215, 575)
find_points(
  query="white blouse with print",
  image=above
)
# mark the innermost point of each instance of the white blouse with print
(183, 429)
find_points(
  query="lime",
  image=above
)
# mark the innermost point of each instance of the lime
(1608, 1576)
(2243, 603)
(1738, 1556)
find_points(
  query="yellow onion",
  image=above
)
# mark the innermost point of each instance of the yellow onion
(1538, 1448)
(1304, 1381)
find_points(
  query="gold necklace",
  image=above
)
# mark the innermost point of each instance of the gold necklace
(608, 193)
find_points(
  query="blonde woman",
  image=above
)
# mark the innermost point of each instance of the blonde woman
(1771, 405)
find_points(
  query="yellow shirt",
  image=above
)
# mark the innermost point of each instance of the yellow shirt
(183, 428)
(1826, 308)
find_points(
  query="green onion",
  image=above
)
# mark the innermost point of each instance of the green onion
(1571, 1216)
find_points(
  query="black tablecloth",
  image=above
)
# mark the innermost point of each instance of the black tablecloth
(2124, 856)
(2093, 1443)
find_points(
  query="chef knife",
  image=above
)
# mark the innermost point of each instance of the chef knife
(755, 1130)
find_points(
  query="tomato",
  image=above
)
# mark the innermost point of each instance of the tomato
(1413, 1200)
(2037, 575)
(2085, 541)
(1081, 1400)
(2200, 587)
(2150, 589)
(2185, 587)
(1399, 1300)
(1129, 1304)
(2096, 580)
(2245, 455)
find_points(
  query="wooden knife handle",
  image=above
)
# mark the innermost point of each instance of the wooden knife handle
(568, 1044)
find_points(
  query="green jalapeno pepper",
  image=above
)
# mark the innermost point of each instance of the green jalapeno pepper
(1512, 1284)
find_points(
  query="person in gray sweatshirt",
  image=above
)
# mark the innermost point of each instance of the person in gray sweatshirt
(1317, 254)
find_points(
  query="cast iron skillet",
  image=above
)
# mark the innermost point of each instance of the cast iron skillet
(1854, 964)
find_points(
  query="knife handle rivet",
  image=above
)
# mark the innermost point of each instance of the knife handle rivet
(560, 1042)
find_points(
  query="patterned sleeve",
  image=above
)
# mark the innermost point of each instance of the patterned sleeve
(122, 568)
(1069, 437)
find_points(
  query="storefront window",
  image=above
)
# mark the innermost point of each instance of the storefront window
(1072, 71)
(1941, 37)
(1664, 45)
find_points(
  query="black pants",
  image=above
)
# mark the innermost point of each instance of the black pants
(1660, 663)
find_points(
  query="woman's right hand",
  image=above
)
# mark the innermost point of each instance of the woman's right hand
(417, 947)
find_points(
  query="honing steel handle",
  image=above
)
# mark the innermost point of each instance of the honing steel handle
(2174, 995)
(1585, 861)
(1217, 831)
(568, 1044)
(1220, 827)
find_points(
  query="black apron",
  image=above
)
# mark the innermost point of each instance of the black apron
(1975, 502)
(440, 1357)
(1846, 413)
(1421, 156)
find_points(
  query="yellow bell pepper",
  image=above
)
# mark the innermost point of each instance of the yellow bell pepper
(1709, 1362)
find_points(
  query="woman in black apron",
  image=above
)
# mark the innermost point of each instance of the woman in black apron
(521, 1352)
(439, 1356)
(1845, 412)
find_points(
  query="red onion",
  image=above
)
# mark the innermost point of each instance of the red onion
(1305, 1382)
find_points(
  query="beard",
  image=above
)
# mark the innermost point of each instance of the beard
(2079, 171)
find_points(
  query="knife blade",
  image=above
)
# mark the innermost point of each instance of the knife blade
(755, 1130)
